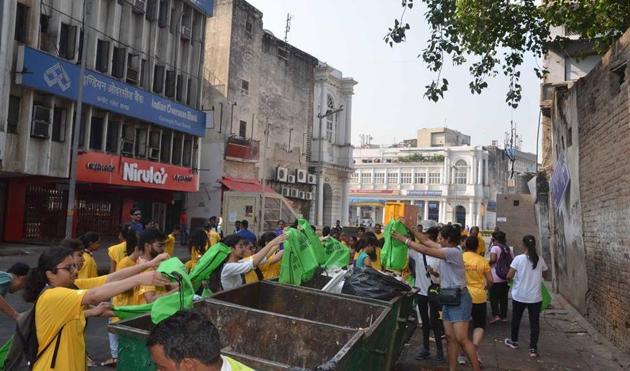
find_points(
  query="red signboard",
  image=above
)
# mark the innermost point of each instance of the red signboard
(96, 167)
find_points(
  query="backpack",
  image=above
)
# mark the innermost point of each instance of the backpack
(502, 266)
(23, 352)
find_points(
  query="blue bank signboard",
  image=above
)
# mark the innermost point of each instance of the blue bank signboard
(47, 73)
(204, 6)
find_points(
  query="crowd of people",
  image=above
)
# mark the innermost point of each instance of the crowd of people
(451, 269)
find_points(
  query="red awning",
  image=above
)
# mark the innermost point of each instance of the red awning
(244, 185)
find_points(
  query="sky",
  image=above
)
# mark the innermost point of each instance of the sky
(388, 101)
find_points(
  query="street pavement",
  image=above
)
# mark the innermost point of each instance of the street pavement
(567, 341)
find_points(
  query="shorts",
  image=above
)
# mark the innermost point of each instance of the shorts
(461, 312)
(479, 316)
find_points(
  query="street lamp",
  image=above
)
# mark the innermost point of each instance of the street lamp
(320, 183)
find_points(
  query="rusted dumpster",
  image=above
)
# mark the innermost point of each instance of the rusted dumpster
(293, 329)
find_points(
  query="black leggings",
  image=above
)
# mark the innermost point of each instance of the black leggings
(533, 310)
(432, 322)
(499, 299)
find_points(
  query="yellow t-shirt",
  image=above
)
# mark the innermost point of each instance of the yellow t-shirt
(89, 268)
(213, 238)
(117, 252)
(481, 249)
(379, 236)
(169, 245)
(375, 264)
(194, 258)
(250, 276)
(476, 268)
(90, 283)
(127, 297)
(271, 270)
(55, 308)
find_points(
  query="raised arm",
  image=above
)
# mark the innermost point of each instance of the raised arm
(107, 291)
(260, 255)
(426, 246)
(138, 268)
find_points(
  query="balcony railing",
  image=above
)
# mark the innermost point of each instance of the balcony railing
(241, 149)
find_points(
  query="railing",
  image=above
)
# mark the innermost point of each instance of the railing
(242, 149)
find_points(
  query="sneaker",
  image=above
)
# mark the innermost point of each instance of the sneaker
(461, 359)
(440, 356)
(495, 319)
(533, 353)
(510, 344)
(425, 354)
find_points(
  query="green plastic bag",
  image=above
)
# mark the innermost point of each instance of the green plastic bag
(337, 255)
(546, 297)
(313, 240)
(208, 263)
(298, 262)
(4, 350)
(394, 254)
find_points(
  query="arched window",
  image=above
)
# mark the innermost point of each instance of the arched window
(461, 172)
(330, 120)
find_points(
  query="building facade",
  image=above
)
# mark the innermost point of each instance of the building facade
(441, 137)
(448, 184)
(331, 149)
(141, 122)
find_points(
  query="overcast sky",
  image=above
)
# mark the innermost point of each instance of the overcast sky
(388, 102)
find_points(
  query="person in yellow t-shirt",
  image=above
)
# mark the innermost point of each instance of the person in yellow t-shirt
(478, 280)
(91, 243)
(378, 231)
(198, 245)
(150, 246)
(474, 232)
(117, 252)
(169, 244)
(61, 310)
(189, 341)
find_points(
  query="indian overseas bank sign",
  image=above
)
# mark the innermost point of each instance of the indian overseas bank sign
(47, 73)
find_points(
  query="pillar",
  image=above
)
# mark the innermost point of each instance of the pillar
(345, 218)
(480, 171)
(358, 214)
(479, 221)
(426, 210)
(470, 214)
(320, 199)
(442, 217)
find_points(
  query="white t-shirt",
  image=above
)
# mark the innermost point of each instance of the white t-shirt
(436, 264)
(231, 274)
(527, 281)
(422, 282)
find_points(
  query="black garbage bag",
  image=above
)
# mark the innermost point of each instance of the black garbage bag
(370, 283)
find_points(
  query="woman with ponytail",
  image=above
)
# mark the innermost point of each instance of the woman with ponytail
(91, 242)
(526, 270)
(60, 310)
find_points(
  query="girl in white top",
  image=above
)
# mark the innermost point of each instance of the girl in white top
(526, 270)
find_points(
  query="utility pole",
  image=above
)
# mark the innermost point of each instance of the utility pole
(320, 178)
(261, 225)
(72, 186)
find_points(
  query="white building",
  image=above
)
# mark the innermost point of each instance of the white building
(448, 184)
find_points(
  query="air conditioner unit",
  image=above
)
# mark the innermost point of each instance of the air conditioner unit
(311, 179)
(301, 176)
(186, 32)
(286, 192)
(281, 174)
(132, 76)
(294, 193)
(40, 125)
(127, 148)
(139, 6)
(302, 195)
(309, 196)
(154, 153)
(291, 178)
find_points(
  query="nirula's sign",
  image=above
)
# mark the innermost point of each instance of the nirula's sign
(42, 71)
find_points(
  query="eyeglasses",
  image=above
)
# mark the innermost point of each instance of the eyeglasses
(70, 268)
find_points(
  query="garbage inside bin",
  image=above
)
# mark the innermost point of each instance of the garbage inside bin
(369, 283)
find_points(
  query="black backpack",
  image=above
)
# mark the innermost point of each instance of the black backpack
(23, 352)
(502, 266)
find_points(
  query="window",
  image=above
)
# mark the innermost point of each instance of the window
(169, 90)
(13, 118)
(154, 144)
(141, 143)
(249, 28)
(330, 120)
(434, 178)
(152, 10)
(245, 87)
(80, 46)
(180, 88)
(516, 202)
(177, 149)
(118, 62)
(242, 129)
(163, 13)
(186, 160)
(113, 129)
(366, 178)
(483, 172)
(59, 125)
(405, 178)
(166, 142)
(461, 172)
(21, 23)
(158, 79)
(102, 55)
(570, 137)
(67, 41)
(133, 68)
(392, 177)
(189, 92)
(96, 133)
(128, 138)
(434, 210)
(82, 129)
(420, 177)
(379, 178)
(355, 177)
(144, 74)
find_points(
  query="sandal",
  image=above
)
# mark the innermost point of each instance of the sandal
(90, 362)
(110, 362)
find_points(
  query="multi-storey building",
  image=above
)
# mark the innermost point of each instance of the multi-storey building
(141, 121)
(441, 137)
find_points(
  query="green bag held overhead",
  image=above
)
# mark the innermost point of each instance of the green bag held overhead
(208, 263)
(298, 262)
(394, 254)
(313, 240)
(337, 255)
